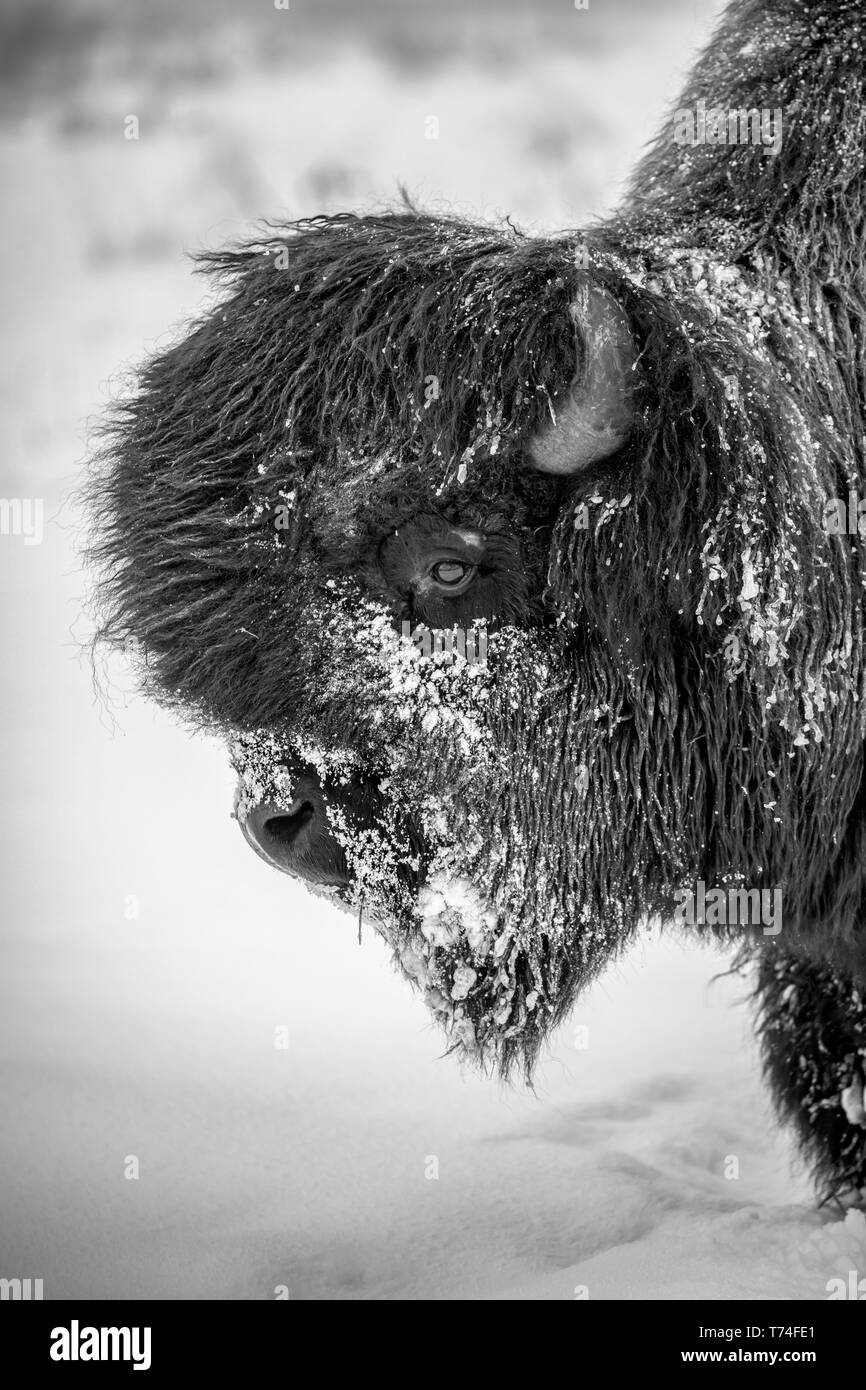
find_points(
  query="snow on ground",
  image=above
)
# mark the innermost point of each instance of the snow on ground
(150, 962)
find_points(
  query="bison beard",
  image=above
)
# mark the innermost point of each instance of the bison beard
(619, 445)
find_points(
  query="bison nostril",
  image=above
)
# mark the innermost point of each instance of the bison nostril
(296, 837)
(300, 836)
(287, 827)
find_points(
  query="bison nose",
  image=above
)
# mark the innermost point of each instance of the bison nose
(297, 838)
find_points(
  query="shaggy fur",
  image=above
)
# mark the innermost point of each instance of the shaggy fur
(676, 691)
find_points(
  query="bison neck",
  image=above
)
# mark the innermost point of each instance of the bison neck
(769, 137)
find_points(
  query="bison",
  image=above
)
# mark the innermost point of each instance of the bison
(511, 569)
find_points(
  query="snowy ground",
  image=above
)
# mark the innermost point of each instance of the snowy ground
(148, 957)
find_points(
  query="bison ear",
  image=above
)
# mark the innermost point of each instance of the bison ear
(594, 419)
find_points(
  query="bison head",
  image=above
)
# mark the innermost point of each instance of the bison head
(502, 565)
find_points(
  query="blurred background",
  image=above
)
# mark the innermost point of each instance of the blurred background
(152, 967)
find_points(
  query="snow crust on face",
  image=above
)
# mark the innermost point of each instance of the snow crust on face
(423, 728)
(454, 939)
(449, 906)
(851, 1101)
(261, 774)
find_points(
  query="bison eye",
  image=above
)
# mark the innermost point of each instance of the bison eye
(453, 575)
